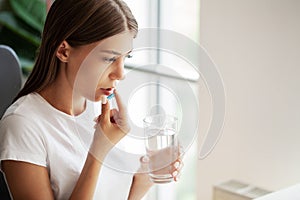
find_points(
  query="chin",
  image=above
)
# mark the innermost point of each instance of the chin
(97, 97)
(94, 97)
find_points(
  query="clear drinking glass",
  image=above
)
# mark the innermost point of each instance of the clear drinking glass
(162, 146)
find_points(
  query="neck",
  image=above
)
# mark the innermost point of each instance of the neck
(60, 95)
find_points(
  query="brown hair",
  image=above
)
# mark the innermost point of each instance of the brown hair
(79, 22)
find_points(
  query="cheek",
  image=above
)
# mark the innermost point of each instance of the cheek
(89, 75)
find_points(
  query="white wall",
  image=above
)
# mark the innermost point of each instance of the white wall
(256, 45)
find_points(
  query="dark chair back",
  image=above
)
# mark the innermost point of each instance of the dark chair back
(10, 84)
(4, 192)
(10, 77)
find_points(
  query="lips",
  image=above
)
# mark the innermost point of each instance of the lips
(107, 91)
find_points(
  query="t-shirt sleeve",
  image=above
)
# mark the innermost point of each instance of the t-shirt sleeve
(20, 140)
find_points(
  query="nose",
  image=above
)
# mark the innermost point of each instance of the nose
(117, 72)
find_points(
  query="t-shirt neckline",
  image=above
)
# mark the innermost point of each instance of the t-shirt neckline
(44, 101)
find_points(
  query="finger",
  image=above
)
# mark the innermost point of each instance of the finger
(176, 165)
(96, 119)
(112, 116)
(177, 177)
(114, 113)
(179, 166)
(105, 111)
(175, 174)
(122, 124)
(144, 160)
(119, 102)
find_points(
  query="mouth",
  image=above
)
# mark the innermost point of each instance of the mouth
(107, 91)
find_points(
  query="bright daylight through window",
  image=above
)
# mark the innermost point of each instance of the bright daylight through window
(182, 17)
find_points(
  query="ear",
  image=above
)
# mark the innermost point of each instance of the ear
(63, 51)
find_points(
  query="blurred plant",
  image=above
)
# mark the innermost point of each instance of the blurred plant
(21, 25)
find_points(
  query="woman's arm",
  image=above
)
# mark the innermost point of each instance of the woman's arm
(87, 181)
(30, 181)
(140, 182)
(139, 187)
(27, 181)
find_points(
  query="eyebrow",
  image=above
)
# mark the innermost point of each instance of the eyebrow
(114, 52)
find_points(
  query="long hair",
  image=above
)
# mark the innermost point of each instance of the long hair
(79, 22)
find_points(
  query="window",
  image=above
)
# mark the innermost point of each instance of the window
(150, 65)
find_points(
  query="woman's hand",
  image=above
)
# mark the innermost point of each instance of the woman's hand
(142, 175)
(165, 162)
(111, 126)
(141, 180)
(113, 123)
(177, 166)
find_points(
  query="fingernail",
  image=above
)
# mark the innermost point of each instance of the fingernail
(145, 159)
(177, 177)
(104, 99)
(176, 164)
(175, 173)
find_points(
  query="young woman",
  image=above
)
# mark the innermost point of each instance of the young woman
(44, 133)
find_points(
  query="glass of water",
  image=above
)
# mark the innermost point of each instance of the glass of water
(162, 146)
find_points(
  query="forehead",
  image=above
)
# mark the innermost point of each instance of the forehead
(121, 43)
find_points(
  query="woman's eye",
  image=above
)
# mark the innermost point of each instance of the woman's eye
(109, 60)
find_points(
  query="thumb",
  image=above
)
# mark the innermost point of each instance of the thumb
(144, 161)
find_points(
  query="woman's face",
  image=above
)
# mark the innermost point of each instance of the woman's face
(96, 68)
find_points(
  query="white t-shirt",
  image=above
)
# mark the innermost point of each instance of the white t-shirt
(33, 131)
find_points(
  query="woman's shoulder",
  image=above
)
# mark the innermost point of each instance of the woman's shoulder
(20, 114)
(28, 106)
(20, 136)
(17, 129)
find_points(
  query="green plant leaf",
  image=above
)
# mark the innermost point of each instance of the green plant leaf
(22, 47)
(33, 12)
(25, 50)
(8, 20)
